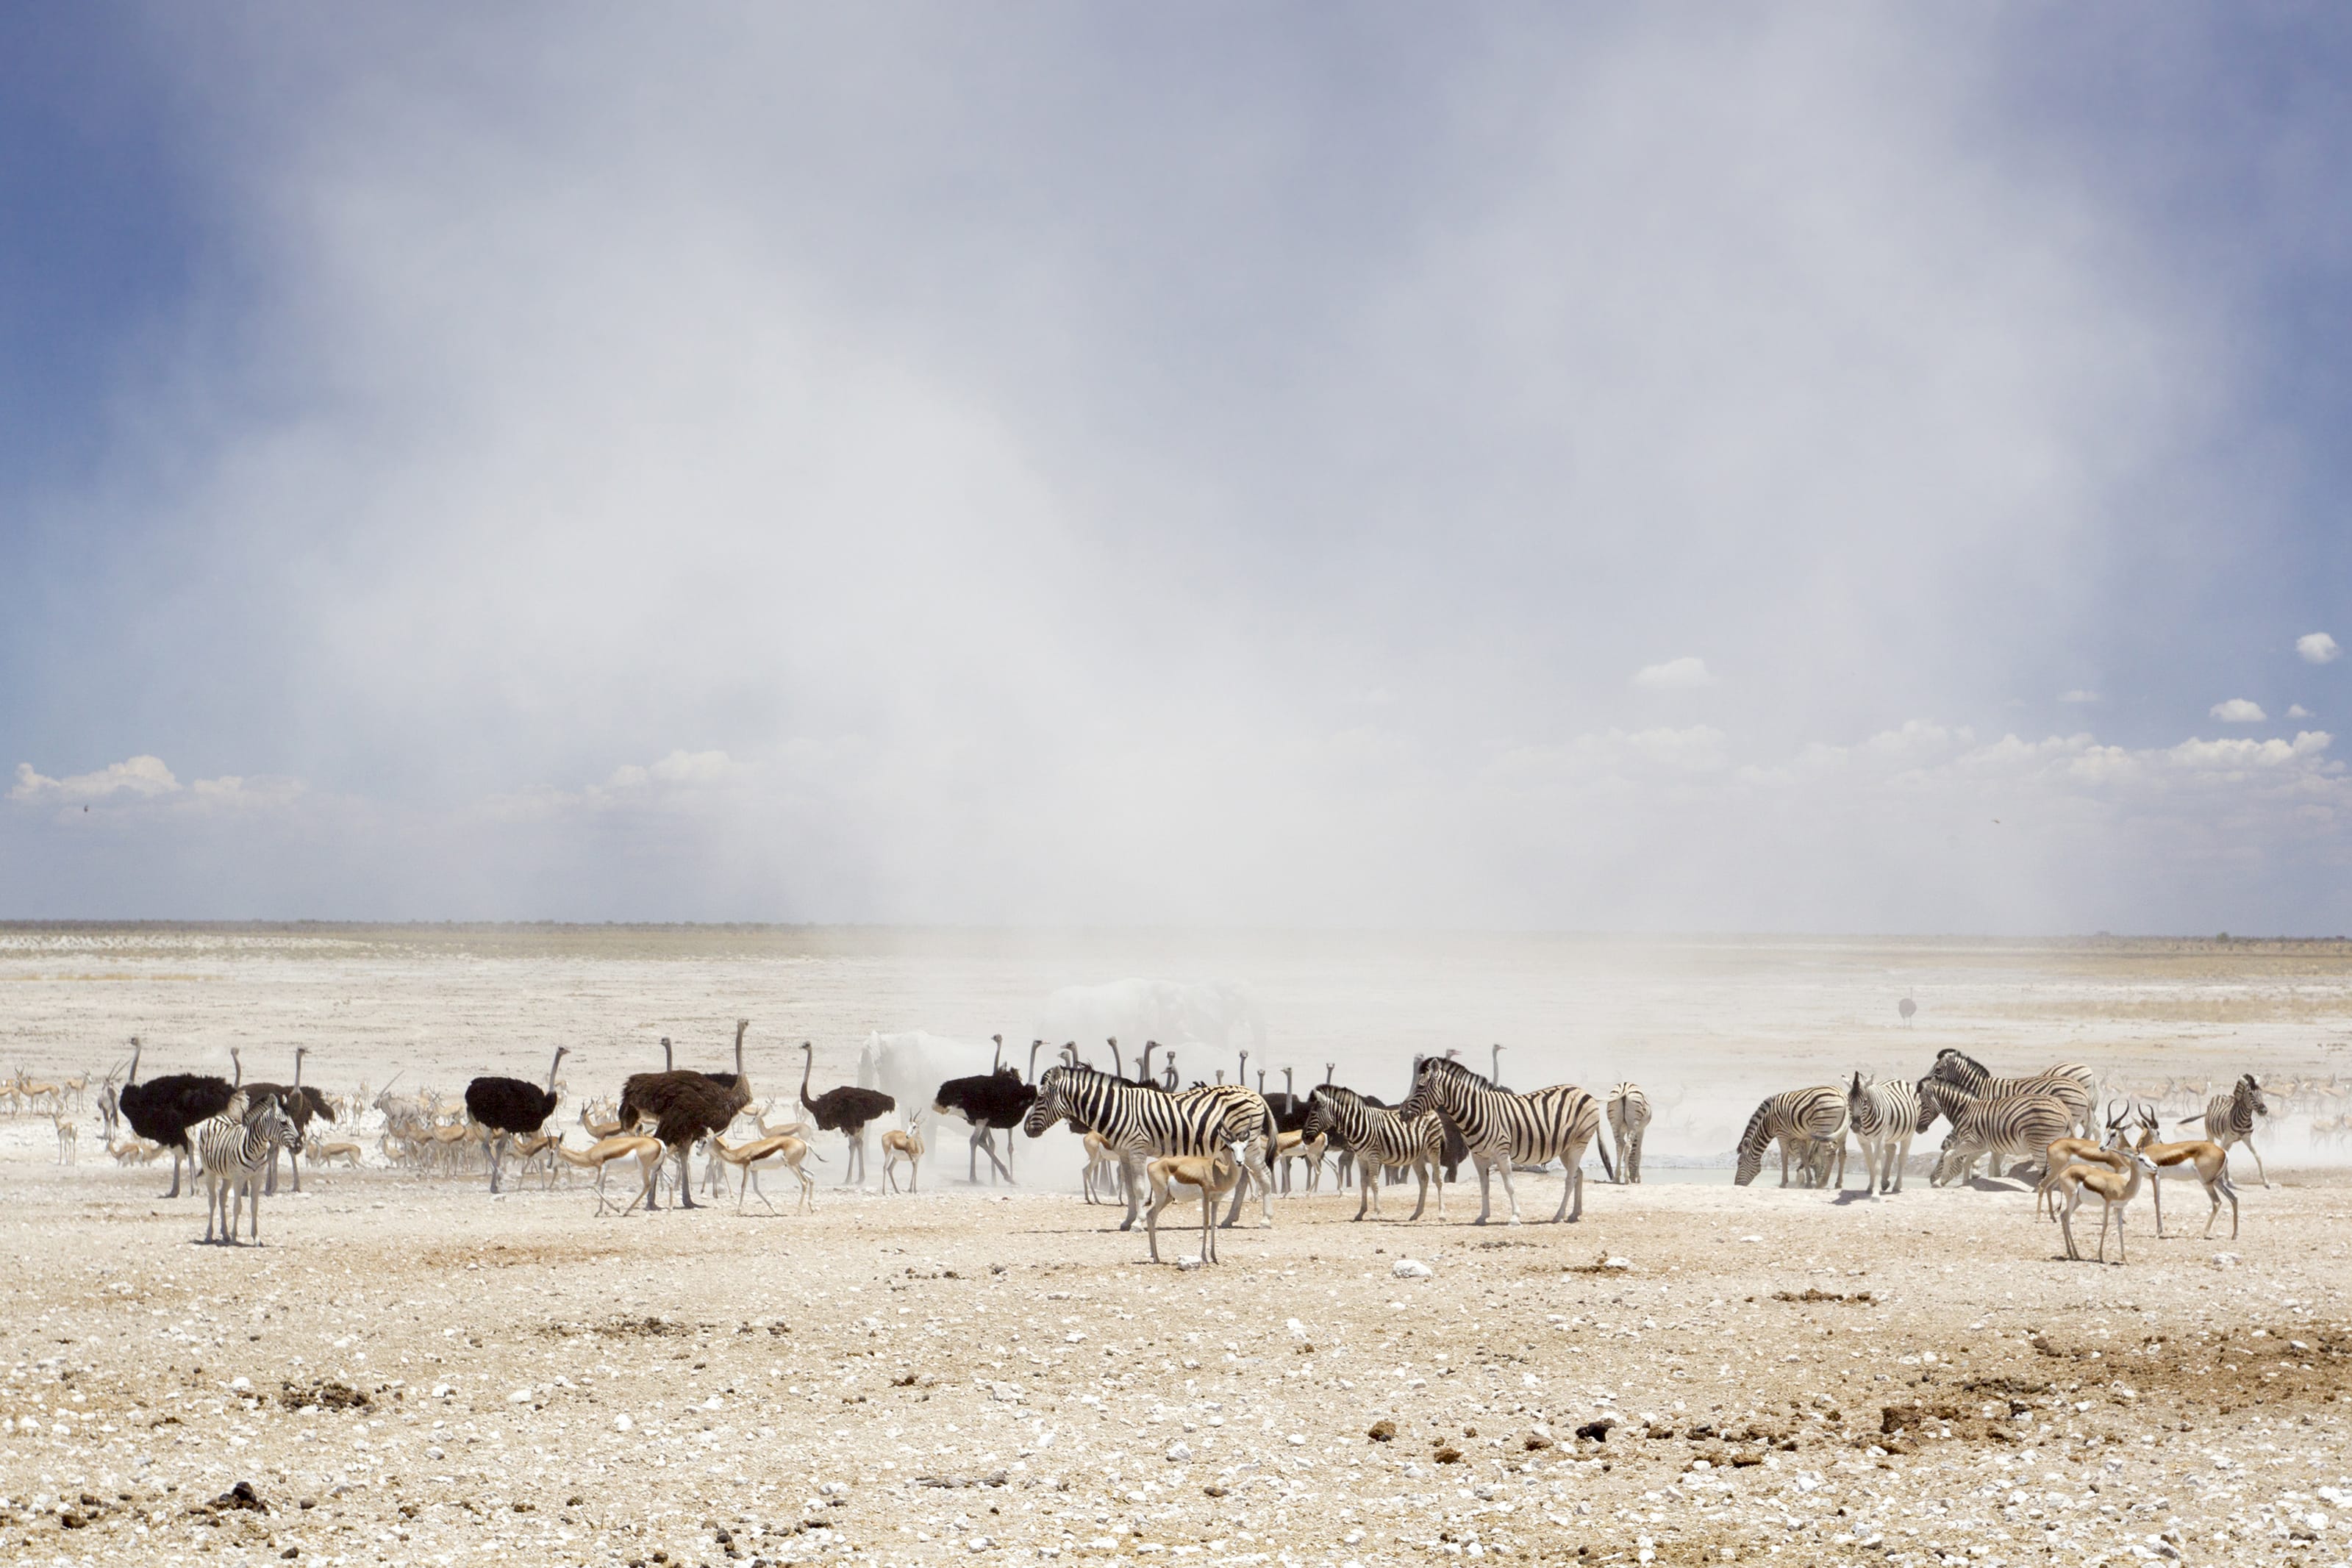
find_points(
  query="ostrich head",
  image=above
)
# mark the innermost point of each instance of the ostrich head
(667, 1065)
(1035, 1046)
(999, 1062)
(134, 1077)
(561, 1051)
(238, 1062)
(299, 1052)
(1289, 1086)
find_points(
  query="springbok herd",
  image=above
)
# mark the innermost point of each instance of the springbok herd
(1149, 1142)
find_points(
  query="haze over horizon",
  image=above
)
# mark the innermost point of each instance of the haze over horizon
(1869, 472)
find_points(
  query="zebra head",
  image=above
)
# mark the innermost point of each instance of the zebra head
(272, 1123)
(1441, 1083)
(2250, 1093)
(1938, 1097)
(1949, 1162)
(1857, 1099)
(1956, 1066)
(1318, 1116)
(1751, 1145)
(1050, 1106)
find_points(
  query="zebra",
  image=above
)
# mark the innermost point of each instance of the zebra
(1501, 1128)
(1794, 1118)
(234, 1148)
(1884, 1117)
(2075, 1085)
(2022, 1126)
(1142, 1123)
(1378, 1140)
(1629, 1115)
(2229, 1119)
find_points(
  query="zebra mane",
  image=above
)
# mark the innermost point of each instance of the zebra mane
(1757, 1134)
(1469, 1078)
(1962, 1060)
(1340, 1094)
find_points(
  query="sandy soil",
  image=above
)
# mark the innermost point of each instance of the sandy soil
(412, 1372)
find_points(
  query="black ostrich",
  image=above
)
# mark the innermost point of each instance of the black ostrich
(301, 1106)
(845, 1110)
(1290, 1110)
(988, 1102)
(512, 1108)
(162, 1109)
(686, 1107)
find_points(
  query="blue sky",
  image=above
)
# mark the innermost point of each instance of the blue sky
(1616, 470)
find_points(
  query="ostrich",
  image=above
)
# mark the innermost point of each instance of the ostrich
(1168, 1076)
(845, 1110)
(301, 1106)
(1497, 1075)
(1906, 1007)
(162, 1109)
(987, 1100)
(724, 1080)
(684, 1106)
(512, 1108)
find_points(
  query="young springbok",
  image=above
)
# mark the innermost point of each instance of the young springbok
(784, 1150)
(2200, 1160)
(2114, 1189)
(608, 1152)
(1213, 1177)
(1102, 1167)
(1289, 1146)
(68, 1140)
(907, 1146)
(2063, 1152)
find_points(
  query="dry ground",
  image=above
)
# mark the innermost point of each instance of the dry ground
(446, 1379)
(410, 1371)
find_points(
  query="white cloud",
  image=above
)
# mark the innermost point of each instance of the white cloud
(2078, 696)
(2318, 648)
(145, 776)
(145, 782)
(1674, 675)
(2296, 710)
(2239, 710)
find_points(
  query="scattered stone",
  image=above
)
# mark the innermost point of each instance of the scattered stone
(1382, 1431)
(1410, 1269)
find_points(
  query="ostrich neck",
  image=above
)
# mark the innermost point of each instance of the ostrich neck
(808, 1061)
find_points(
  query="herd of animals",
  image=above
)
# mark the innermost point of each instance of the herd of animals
(1149, 1140)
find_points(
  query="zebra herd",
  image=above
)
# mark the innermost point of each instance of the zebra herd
(1990, 1118)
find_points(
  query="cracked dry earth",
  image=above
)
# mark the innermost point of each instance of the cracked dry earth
(414, 1373)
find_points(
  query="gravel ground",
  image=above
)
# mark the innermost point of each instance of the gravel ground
(410, 1371)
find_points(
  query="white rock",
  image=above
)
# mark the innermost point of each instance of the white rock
(1178, 1452)
(240, 1384)
(1752, 1239)
(1296, 1440)
(1411, 1269)
(519, 1396)
(1189, 1262)
(2225, 1260)
(621, 1423)
(1297, 1328)
(1617, 1263)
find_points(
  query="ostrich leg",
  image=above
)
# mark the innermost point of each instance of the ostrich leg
(178, 1152)
(685, 1180)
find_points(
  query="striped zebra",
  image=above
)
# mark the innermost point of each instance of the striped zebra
(1501, 1129)
(2229, 1119)
(1795, 1119)
(1143, 1124)
(1629, 1114)
(2074, 1085)
(1884, 1117)
(2019, 1126)
(1378, 1140)
(234, 1149)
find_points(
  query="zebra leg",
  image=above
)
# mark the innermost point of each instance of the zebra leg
(1370, 1198)
(1485, 1189)
(1510, 1192)
(1424, 1176)
(2249, 1141)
